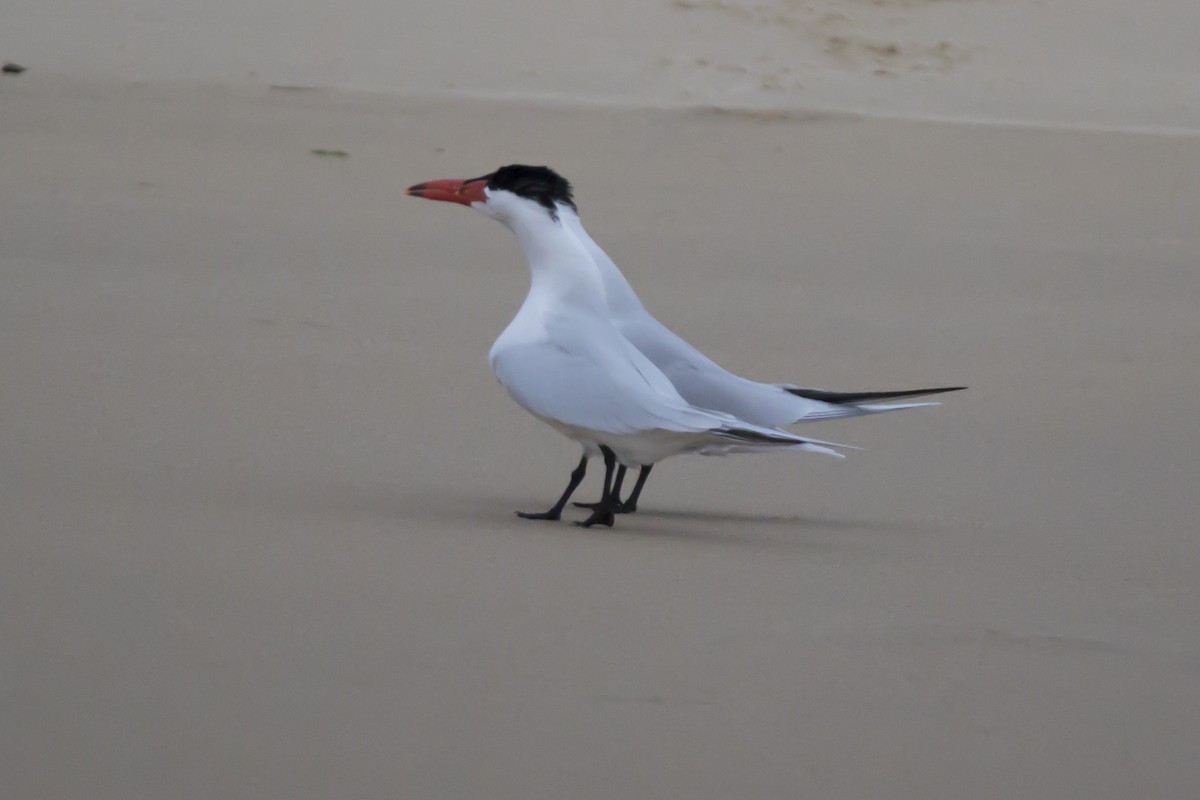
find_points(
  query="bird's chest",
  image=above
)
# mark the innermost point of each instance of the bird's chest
(529, 326)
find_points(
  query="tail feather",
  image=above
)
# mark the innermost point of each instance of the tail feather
(854, 398)
(878, 408)
(856, 410)
(750, 439)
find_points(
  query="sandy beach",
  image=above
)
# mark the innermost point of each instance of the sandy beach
(257, 480)
(1069, 63)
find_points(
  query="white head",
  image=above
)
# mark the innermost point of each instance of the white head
(517, 195)
(528, 200)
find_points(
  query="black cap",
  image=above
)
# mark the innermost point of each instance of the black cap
(542, 185)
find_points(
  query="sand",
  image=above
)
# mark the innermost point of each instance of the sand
(257, 480)
(1093, 63)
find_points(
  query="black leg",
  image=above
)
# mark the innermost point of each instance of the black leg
(616, 492)
(603, 514)
(617, 481)
(555, 511)
(630, 505)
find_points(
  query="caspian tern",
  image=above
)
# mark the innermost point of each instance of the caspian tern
(703, 382)
(562, 359)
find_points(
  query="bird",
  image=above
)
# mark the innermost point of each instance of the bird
(703, 382)
(563, 360)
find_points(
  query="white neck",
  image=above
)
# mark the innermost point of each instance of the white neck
(559, 264)
(619, 295)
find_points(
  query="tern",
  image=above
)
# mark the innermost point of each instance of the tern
(703, 382)
(563, 360)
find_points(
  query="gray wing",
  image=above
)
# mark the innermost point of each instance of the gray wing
(706, 384)
(591, 390)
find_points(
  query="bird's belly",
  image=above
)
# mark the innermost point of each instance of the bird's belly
(637, 449)
(649, 447)
(586, 438)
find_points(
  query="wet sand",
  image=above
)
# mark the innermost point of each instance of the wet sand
(258, 481)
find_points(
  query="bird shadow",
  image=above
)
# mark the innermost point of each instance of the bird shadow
(745, 529)
(794, 531)
(743, 538)
(748, 518)
(382, 504)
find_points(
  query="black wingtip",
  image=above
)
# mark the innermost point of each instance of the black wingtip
(849, 398)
